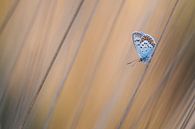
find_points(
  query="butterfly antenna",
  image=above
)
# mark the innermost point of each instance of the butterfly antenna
(136, 60)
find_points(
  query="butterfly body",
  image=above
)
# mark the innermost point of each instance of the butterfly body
(144, 45)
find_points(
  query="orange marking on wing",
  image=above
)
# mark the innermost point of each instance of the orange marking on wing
(149, 39)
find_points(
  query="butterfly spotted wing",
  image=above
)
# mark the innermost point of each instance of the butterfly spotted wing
(145, 45)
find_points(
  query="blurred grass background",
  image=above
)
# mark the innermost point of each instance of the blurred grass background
(63, 64)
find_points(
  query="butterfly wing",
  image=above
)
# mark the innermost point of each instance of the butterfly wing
(144, 44)
(137, 38)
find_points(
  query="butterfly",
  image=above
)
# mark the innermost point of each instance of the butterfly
(144, 45)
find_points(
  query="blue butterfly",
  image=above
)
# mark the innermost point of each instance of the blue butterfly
(144, 45)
